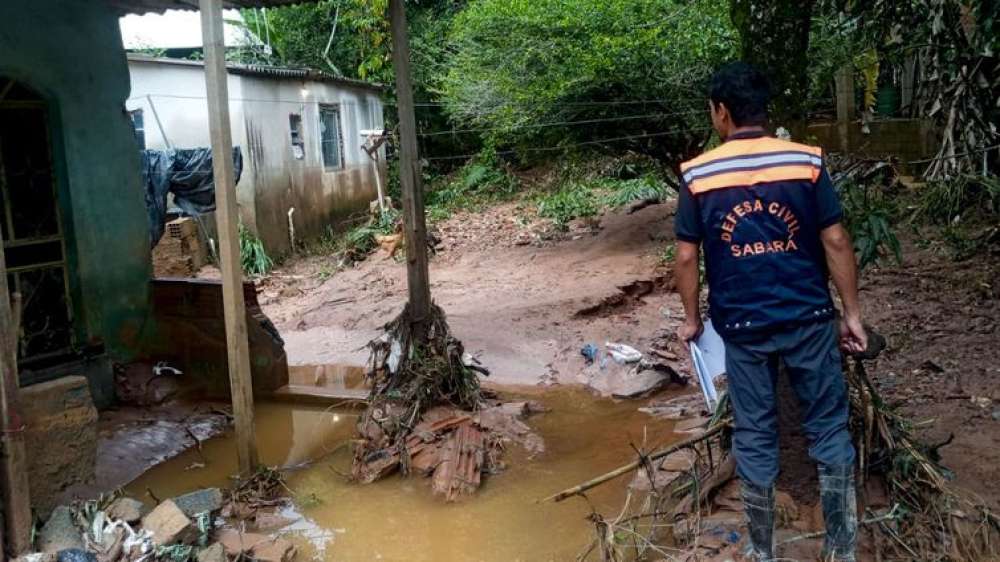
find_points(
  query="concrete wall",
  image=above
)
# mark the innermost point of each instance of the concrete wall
(905, 139)
(71, 52)
(273, 179)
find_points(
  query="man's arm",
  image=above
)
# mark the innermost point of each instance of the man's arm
(686, 275)
(844, 271)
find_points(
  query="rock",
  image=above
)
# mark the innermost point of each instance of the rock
(59, 532)
(996, 414)
(126, 509)
(169, 525)
(258, 547)
(236, 543)
(208, 500)
(640, 384)
(76, 555)
(214, 553)
(274, 550)
(269, 520)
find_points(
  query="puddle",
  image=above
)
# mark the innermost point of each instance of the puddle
(398, 519)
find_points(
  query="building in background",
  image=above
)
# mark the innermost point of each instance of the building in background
(299, 132)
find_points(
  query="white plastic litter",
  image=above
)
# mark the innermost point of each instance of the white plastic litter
(623, 353)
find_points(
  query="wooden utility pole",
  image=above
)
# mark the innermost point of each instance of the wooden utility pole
(414, 224)
(13, 459)
(227, 217)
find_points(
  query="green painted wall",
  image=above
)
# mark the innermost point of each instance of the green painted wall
(71, 52)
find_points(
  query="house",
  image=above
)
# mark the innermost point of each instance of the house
(75, 242)
(300, 133)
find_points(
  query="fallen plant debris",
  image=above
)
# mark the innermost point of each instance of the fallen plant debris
(265, 488)
(427, 413)
(684, 503)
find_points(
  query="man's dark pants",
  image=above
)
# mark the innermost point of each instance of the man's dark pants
(812, 359)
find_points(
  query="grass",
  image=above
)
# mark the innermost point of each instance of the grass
(480, 182)
(581, 198)
(667, 254)
(968, 209)
(253, 256)
(572, 201)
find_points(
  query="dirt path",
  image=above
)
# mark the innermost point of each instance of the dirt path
(511, 300)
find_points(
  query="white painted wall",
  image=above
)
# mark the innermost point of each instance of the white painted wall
(273, 179)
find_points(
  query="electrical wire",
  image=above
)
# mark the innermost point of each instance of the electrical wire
(584, 143)
(560, 123)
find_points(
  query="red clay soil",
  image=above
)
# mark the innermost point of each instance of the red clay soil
(511, 293)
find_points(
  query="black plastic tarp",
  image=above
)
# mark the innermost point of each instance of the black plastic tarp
(185, 172)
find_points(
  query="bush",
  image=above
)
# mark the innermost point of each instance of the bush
(481, 180)
(575, 200)
(624, 192)
(868, 215)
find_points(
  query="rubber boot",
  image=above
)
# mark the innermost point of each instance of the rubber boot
(840, 511)
(758, 503)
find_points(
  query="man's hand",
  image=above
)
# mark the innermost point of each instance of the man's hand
(690, 330)
(686, 273)
(853, 338)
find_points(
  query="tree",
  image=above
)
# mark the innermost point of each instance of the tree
(774, 36)
(541, 73)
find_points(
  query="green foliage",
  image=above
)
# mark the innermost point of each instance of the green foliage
(253, 257)
(869, 213)
(575, 200)
(968, 207)
(515, 67)
(481, 180)
(667, 254)
(360, 241)
(966, 197)
(624, 192)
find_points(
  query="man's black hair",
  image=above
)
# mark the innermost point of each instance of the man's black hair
(744, 90)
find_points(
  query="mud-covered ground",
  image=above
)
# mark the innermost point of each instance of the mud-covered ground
(943, 361)
(514, 294)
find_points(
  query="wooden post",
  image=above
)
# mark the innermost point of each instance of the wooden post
(227, 216)
(417, 275)
(846, 111)
(14, 463)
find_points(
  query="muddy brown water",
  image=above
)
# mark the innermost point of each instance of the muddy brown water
(399, 519)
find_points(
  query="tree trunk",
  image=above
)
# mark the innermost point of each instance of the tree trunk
(774, 37)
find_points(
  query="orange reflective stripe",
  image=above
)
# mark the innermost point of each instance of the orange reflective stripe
(750, 147)
(752, 177)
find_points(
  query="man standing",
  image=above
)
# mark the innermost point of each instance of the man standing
(768, 218)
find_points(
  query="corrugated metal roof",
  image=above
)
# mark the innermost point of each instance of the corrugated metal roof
(266, 71)
(160, 6)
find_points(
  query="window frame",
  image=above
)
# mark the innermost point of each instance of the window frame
(296, 135)
(140, 130)
(334, 108)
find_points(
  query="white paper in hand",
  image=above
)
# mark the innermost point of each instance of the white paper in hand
(708, 356)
